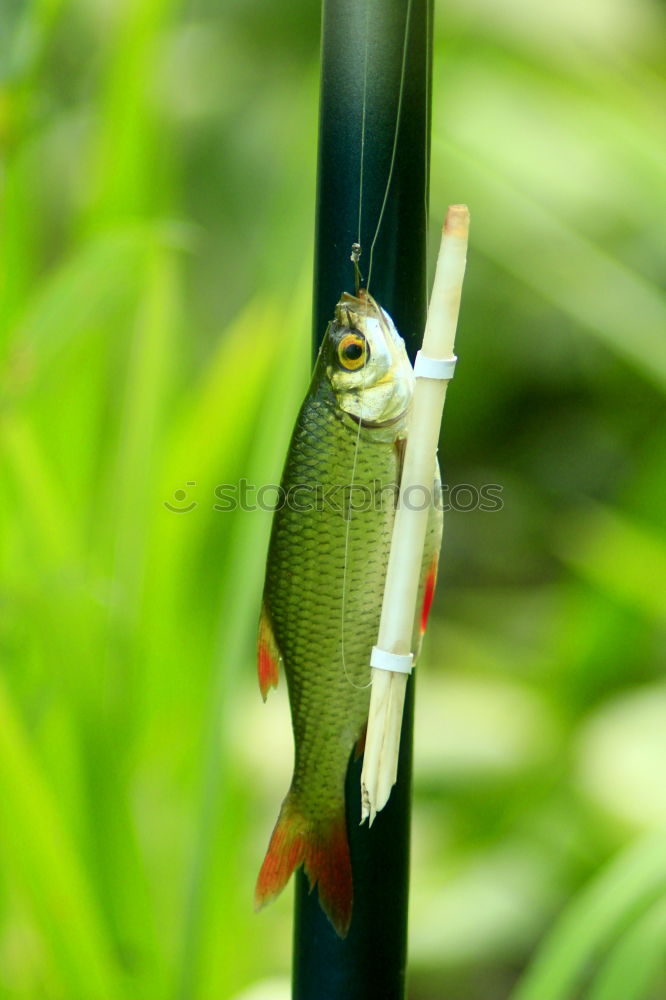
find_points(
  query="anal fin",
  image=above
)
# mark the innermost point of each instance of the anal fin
(268, 655)
(359, 746)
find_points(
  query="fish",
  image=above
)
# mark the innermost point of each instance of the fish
(325, 574)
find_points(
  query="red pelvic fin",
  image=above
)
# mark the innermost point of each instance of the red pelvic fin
(322, 848)
(268, 655)
(429, 593)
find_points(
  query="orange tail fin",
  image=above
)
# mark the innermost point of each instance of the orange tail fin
(323, 850)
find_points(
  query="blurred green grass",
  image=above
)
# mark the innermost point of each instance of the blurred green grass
(157, 195)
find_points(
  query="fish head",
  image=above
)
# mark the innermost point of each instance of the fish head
(366, 362)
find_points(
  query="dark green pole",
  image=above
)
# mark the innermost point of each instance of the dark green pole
(370, 964)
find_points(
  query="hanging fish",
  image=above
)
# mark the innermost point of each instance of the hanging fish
(324, 584)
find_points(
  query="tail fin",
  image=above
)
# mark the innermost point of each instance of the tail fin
(321, 847)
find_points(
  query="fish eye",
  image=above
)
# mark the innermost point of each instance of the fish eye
(352, 351)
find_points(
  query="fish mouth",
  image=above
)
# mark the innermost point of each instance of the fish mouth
(362, 304)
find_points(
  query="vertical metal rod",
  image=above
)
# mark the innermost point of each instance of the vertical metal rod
(370, 964)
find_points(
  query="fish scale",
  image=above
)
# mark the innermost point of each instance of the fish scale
(304, 595)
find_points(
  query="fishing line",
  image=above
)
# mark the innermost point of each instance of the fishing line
(398, 115)
(356, 251)
(363, 112)
(359, 687)
(355, 255)
(426, 164)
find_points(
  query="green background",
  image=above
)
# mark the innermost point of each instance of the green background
(156, 248)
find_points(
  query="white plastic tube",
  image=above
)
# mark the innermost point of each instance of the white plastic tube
(404, 567)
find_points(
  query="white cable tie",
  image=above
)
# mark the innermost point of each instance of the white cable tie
(439, 368)
(399, 663)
